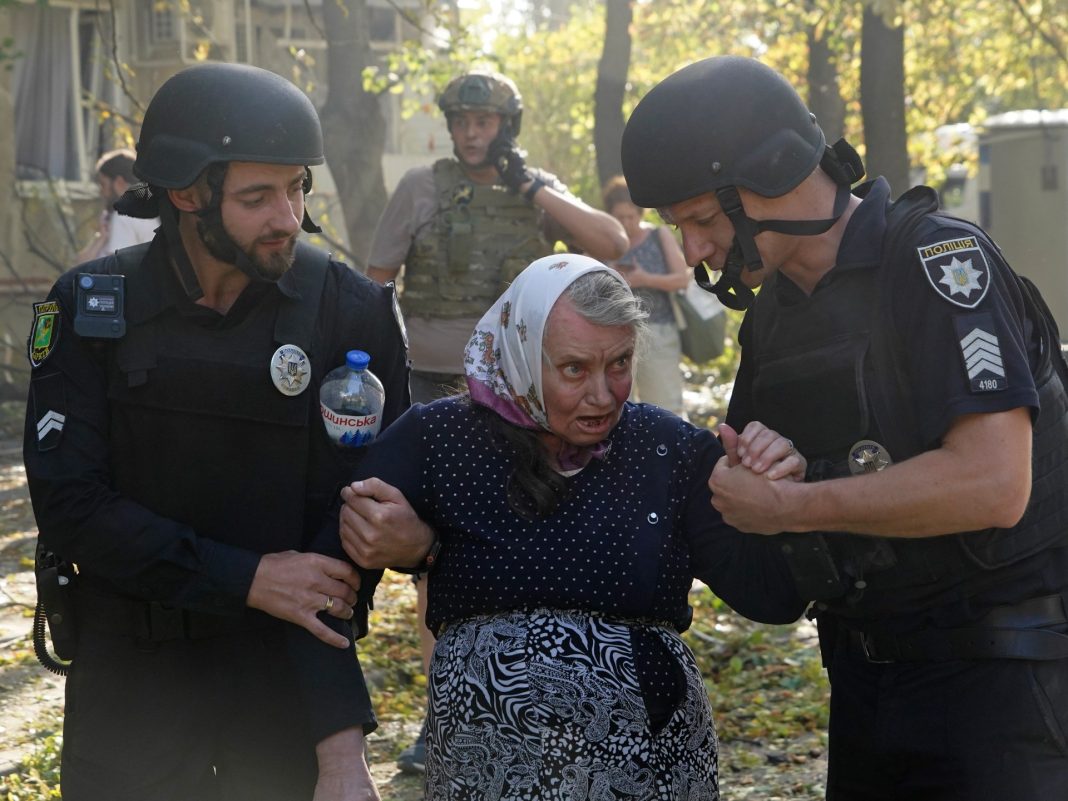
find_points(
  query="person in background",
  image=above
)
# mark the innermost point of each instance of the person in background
(924, 381)
(563, 527)
(655, 268)
(463, 228)
(176, 453)
(114, 175)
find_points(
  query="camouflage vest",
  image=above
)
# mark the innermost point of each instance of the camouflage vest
(479, 239)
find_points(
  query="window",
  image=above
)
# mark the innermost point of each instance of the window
(161, 28)
(58, 82)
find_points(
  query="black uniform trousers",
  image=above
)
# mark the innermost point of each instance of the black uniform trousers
(222, 714)
(962, 730)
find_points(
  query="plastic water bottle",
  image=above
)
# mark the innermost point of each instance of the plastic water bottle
(351, 399)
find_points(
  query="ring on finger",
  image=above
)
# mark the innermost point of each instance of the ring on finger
(328, 604)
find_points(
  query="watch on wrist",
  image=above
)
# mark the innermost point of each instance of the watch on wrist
(429, 560)
(431, 557)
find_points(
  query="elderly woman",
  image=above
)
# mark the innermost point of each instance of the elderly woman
(569, 526)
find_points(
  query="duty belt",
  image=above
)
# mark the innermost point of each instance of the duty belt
(1007, 632)
(100, 609)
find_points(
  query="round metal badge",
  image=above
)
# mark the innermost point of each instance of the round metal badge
(290, 370)
(868, 456)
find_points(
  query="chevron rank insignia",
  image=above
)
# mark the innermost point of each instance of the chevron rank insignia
(49, 403)
(957, 270)
(51, 422)
(981, 352)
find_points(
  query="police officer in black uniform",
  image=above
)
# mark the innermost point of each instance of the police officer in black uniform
(176, 454)
(924, 381)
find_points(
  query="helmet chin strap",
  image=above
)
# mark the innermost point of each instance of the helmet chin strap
(840, 161)
(187, 276)
(744, 253)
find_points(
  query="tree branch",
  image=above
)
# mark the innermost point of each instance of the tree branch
(1055, 45)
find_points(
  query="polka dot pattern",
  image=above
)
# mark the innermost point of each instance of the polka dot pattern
(613, 546)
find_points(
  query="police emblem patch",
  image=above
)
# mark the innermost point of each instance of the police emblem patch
(868, 456)
(981, 352)
(45, 331)
(290, 370)
(957, 269)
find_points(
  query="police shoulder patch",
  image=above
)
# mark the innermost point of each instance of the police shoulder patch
(957, 269)
(980, 349)
(45, 331)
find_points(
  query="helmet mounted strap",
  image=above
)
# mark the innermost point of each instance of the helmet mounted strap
(307, 224)
(745, 227)
(168, 217)
(845, 168)
(809, 227)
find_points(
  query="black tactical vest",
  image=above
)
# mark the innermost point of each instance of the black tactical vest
(827, 374)
(205, 437)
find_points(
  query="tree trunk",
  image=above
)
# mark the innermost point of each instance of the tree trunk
(882, 99)
(611, 84)
(824, 93)
(354, 128)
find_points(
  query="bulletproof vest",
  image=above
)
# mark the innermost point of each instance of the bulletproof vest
(480, 239)
(828, 374)
(228, 453)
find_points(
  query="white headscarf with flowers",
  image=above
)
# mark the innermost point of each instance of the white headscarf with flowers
(503, 358)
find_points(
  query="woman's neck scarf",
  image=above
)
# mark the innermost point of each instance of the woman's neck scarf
(503, 359)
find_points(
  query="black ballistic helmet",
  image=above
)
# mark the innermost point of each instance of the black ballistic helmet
(217, 112)
(484, 91)
(723, 121)
(722, 124)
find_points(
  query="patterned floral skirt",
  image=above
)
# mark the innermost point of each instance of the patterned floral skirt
(547, 705)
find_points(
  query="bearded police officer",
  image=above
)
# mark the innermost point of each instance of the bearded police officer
(463, 229)
(176, 454)
(924, 381)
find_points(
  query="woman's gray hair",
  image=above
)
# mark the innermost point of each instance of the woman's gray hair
(602, 299)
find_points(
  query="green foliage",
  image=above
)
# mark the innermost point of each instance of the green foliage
(964, 60)
(37, 777)
(766, 683)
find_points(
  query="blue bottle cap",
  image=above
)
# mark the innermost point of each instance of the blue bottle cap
(357, 359)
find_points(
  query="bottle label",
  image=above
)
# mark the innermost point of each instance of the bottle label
(350, 431)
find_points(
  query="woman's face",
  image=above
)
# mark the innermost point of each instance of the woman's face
(629, 216)
(586, 374)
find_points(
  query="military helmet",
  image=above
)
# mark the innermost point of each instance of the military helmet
(723, 121)
(484, 91)
(218, 112)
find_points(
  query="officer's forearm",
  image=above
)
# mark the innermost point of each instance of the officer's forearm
(980, 478)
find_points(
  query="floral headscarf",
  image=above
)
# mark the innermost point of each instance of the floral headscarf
(503, 359)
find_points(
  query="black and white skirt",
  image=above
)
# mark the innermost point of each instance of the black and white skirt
(548, 705)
